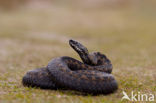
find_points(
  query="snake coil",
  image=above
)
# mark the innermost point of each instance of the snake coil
(92, 76)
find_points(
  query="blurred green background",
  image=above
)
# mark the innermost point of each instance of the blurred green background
(32, 32)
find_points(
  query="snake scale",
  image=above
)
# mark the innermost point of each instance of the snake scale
(93, 75)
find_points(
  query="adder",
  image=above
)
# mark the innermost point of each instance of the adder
(93, 75)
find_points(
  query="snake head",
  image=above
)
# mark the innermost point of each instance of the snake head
(81, 50)
(95, 58)
(78, 47)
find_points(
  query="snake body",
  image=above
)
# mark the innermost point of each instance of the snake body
(93, 75)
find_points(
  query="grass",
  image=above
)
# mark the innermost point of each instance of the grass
(30, 38)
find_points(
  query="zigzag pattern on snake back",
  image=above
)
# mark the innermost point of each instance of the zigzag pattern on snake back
(92, 76)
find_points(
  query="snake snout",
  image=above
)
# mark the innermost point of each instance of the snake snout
(73, 42)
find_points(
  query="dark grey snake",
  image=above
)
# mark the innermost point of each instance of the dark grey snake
(92, 76)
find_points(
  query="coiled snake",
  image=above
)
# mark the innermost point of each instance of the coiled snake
(92, 76)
